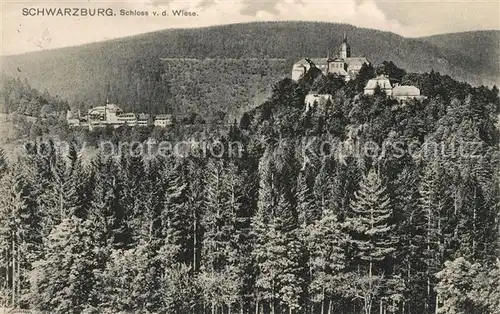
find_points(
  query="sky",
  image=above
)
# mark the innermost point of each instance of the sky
(409, 18)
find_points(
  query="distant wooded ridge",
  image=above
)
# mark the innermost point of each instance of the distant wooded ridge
(238, 62)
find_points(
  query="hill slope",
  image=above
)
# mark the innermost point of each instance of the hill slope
(130, 65)
(483, 47)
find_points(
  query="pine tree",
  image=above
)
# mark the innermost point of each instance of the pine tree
(305, 200)
(3, 162)
(218, 225)
(131, 281)
(268, 185)
(179, 290)
(370, 223)
(62, 282)
(327, 244)
(131, 183)
(412, 232)
(12, 203)
(21, 230)
(222, 269)
(242, 260)
(432, 206)
(371, 213)
(153, 201)
(104, 200)
(195, 204)
(77, 189)
(40, 160)
(105, 217)
(280, 260)
(174, 216)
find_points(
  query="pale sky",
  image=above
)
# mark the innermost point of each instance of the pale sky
(411, 18)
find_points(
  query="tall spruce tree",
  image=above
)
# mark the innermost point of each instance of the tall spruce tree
(327, 245)
(21, 231)
(432, 203)
(175, 214)
(63, 281)
(218, 248)
(372, 231)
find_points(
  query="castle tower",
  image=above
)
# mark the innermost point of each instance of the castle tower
(344, 50)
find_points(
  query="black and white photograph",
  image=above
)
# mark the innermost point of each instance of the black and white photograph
(250, 157)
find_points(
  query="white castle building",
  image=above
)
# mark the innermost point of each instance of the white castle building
(343, 64)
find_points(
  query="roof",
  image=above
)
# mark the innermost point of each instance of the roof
(113, 106)
(356, 61)
(319, 96)
(337, 60)
(98, 108)
(316, 61)
(163, 116)
(301, 62)
(105, 107)
(381, 81)
(143, 116)
(405, 91)
(124, 115)
(351, 61)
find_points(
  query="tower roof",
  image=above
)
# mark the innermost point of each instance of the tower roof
(344, 49)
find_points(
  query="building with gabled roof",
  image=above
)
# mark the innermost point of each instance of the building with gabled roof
(404, 93)
(343, 64)
(381, 81)
(398, 92)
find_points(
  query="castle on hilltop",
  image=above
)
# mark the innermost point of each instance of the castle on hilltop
(343, 64)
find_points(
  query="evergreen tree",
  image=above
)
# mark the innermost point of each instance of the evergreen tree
(131, 183)
(21, 231)
(131, 281)
(178, 290)
(3, 162)
(174, 217)
(77, 189)
(305, 200)
(372, 232)
(327, 245)
(280, 260)
(105, 213)
(62, 282)
(218, 278)
(432, 203)
(195, 204)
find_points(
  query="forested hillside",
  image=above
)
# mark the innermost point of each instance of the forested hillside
(479, 45)
(27, 112)
(19, 96)
(207, 86)
(291, 225)
(131, 65)
(228, 85)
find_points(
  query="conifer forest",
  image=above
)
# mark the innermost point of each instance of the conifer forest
(290, 224)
